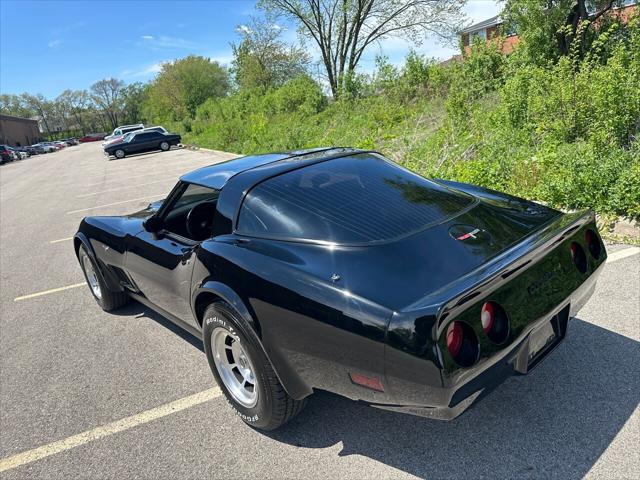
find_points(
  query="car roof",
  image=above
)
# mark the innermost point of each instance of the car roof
(216, 176)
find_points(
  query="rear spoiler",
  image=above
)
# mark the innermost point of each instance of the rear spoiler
(454, 297)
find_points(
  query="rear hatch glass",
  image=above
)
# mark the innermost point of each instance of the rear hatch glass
(358, 199)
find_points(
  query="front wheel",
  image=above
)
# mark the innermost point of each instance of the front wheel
(119, 153)
(164, 146)
(107, 299)
(243, 372)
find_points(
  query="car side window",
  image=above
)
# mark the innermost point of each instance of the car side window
(191, 214)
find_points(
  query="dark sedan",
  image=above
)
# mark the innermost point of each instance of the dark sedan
(142, 141)
(339, 270)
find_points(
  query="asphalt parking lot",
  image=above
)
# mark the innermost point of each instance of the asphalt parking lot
(86, 394)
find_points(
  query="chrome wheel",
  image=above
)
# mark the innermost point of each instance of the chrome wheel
(164, 146)
(120, 153)
(234, 367)
(92, 277)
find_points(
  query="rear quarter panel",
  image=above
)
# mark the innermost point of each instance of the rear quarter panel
(312, 332)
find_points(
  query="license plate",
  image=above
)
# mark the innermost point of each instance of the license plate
(540, 339)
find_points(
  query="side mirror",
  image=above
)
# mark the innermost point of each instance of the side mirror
(153, 224)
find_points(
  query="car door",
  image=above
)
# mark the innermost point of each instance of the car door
(152, 141)
(161, 263)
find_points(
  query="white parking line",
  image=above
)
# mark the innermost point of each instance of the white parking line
(109, 429)
(620, 254)
(47, 292)
(61, 240)
(117, 203)
(122, 188)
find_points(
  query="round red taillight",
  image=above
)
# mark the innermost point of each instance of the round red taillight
(462, 344)
(578, 256)
(487, 317)
(495, 322)
(593, 243)
(455, 336)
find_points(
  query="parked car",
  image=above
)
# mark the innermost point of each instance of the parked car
(46, 147)
(119, 138)
(6, 155)
(16, 154)
(60, 143)
(92, 137)
(141, 141)
(339, 270)
(31, 150)
(123, 130)
(21, 152)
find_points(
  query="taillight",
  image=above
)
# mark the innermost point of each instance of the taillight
(593, 243)
(454, 338)
(462, 344)
(486, 317)
(495, 322)
(578, 256)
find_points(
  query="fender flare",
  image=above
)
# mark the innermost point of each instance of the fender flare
(290, 380)
(109, 277)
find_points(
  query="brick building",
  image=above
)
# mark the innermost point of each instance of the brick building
(18, 132)
(494, 27)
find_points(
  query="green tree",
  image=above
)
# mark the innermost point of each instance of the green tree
(41, 107)
(133, 98)
(108, 96)
(15, 105)
(549, 29)
(262, 60)
(183, 85)
(344, 29)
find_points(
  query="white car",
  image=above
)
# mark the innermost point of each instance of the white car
(123, 130)
(47, 147)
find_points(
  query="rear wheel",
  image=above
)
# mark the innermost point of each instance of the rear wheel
(107, 299)
(243, 372)
(164, 146)
(119, 153)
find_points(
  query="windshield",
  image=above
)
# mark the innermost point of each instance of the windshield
(128, 137)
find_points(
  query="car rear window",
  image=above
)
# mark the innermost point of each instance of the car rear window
(357, 199)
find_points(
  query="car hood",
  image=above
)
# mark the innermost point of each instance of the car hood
(118, 227)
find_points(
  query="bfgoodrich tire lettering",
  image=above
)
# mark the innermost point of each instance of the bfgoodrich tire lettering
(273, 406)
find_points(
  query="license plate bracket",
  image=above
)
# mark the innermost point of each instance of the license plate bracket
(544, 338)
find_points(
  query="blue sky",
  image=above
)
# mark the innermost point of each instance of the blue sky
(47, 46)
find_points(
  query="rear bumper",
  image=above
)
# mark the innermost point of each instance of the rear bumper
(448, 402)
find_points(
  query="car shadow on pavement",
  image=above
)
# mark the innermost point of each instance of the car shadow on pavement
(141, 154)
(136, 309)
(555, 422)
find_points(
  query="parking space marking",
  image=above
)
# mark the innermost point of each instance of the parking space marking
(47, 292)
(61, 240)
(118, 203)
(620, 254)
(109, 429)
(122, 188)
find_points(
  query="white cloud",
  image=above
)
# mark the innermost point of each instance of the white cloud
(165, 42)
(243, 29)
(146, 71)
(55, 43)
(223, 58)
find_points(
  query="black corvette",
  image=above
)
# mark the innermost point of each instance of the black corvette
(142, 141)
(337, 269)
